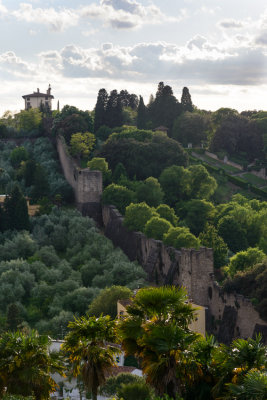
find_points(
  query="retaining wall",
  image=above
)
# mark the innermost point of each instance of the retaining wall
(87, 184)
(228, 315)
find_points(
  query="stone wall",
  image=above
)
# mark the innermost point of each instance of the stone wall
(228, 315)
(87, 184)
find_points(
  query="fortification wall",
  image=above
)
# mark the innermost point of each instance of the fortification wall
(228, 315)
(87, 184)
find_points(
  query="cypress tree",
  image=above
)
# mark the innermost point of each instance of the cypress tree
(186, 101)
(114, 115)
(100, 109)
(141, 114)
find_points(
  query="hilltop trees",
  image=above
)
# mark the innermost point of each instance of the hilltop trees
(143, 157)
(186, 101)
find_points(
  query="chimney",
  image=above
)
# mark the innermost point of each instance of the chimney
(38, 90)
(49, 90)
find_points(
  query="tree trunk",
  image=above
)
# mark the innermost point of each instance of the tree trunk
(94, 394)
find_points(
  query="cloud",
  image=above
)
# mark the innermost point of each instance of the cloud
(126, 14)
(11, 65)
(230, 24)
(198, 61)
(55, 20)
(3, 9)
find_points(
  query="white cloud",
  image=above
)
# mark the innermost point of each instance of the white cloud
(55, 20)
(231, 24)
(126, 14)
(11, 65)
(3, 9)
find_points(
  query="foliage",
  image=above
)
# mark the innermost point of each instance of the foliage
(135, 390)
(210, 238)
(137, 215)
(18, 155)
(118, 196)
(232, 233)
(113, 383)
(56, 271)
(251, 283)
(26, 365)
(81, 144)
(28, 120)
(15, 213)
(150, 192)
(180, 183)
(106, 301)
(156, 330)
(180, 237)
(88, 354)
(143, 158)
(244, 260)
(198, 213)
(100, 164)
(167, 213)
(156, 227)
(191, 127)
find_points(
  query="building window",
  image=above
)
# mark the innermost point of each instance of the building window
(46, 97)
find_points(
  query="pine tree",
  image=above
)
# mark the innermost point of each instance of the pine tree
(186, 101)
(100, 109)
(141, 114)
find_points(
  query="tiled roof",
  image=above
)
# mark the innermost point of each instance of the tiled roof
(38, 94)
(120, 369)
(125, 302)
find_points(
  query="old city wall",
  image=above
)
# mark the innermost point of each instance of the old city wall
(228, 315)
(87, 184)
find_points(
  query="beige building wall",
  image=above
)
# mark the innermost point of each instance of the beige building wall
(198, 325)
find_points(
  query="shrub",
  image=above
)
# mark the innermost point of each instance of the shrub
(118, 196)
(137, 215)
(156, 227)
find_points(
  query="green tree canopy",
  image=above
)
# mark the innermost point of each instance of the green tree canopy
(167, 213)
(198, 213)
(156, 227)
(118, 196)
(246, 259)
(137, 215)
(106, 301)
(143, 158)
(29, 120)
(210, 238)
(150, 192)
(81, 144)
(181, 237)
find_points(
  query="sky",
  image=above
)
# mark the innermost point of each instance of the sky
(217, 48)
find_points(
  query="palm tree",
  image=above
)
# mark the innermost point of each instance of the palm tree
(26, 365)
(253, 387)
(90, 348)
(235, 362)
(156, 331)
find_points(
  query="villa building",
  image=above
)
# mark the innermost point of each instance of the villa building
(35, 99)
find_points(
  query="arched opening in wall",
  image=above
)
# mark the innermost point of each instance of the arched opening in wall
(210, 292)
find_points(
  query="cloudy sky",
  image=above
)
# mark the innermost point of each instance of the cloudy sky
(217, 48)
